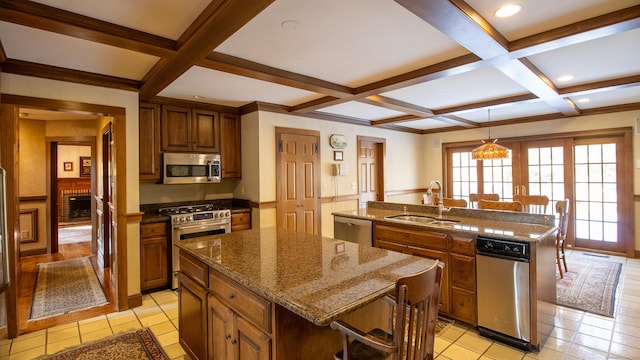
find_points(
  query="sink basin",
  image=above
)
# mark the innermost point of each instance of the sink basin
(422, 219)
(412, 218)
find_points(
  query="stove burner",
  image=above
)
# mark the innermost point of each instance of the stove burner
(177, 210)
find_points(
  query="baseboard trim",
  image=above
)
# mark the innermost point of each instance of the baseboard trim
(24, 253)
(134, 301)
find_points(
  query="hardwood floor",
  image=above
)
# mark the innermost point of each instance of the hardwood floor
(27, 283)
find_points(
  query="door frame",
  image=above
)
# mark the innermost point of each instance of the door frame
(10, 105)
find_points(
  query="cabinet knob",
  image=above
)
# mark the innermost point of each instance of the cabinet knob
(231, 296)
(227, 337)
(234, 341)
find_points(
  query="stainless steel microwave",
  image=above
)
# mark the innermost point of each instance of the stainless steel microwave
(188, 168)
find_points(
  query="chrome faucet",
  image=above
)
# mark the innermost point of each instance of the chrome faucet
(430, 192)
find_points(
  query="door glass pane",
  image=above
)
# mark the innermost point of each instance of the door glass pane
(596, 192)
(546, 173)
(498, 178)
(464, 175)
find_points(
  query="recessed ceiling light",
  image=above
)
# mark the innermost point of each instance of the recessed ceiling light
(508, 10)
(583, 100)
(564, 78)
(289, 24)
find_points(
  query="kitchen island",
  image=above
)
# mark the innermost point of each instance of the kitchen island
(468, 276)
(272, 293)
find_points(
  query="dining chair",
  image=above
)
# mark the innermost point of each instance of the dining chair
(412, 320)
(449, 202)
(474, 198)
(536, 204)
(500, 205)
(562, 209)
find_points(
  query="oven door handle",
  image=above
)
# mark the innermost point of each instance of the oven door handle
(201, 227)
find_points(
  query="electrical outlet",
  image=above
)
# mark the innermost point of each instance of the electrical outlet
(353, 185)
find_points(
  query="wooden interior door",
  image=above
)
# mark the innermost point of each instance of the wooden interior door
(298, 189)
(370, 170)
(104, 245)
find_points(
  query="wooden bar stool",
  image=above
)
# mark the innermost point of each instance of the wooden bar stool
(536, 204)
(562, 209)
(500, 205)
(474, 198)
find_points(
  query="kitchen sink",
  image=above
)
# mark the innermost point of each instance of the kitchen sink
(422, 219)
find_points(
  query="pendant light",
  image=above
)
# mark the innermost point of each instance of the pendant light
(489, 150)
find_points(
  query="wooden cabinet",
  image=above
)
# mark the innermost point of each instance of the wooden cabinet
(192, 315)
(154, 257)
(189, 130)
(239, 321)
(230, 146)
(149, 142)
(458, 290)
(463, 280)
(240, 221)
(220, 319)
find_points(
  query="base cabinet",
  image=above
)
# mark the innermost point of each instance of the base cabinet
(240, 221)
(154, 257)
(192, 316)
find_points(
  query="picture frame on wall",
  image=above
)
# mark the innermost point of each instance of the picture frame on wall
(85, 166)
(68, 166)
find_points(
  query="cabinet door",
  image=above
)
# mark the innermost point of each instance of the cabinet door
(463, 305)
(154, 270)
(192, 315)
(230, 146)
(444, 287)
(241, 221)
(221, 330)
(463, 272)
(149, 142)
(251, 343)
(205, 131)
(176, 128)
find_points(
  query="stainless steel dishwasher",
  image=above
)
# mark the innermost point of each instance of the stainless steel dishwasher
(504, 305)
(354, 230)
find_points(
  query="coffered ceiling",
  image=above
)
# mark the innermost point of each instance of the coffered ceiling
(412, 65)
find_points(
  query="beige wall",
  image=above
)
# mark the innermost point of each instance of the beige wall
(72, 153)
(59, 90)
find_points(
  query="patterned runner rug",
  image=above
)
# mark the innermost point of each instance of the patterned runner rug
(65, 286)
(589, 285)
(138, 344)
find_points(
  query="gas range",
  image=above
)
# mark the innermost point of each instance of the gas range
(196, 213)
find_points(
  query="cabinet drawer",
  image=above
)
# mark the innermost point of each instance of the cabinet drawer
(390, 246)
(251, 306)
(423, 238)
(241, 221)
(463, 272)
(463, 245)
(463, 305)
(153, 230)
(195, 269)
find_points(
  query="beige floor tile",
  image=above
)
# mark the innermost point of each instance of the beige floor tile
(28, 354)
(147, 311)
(172, 314)
(460, 353)
(96, 335)
(158, 318)
(162, 328)
(599, 321)
(592, 342)
(569, 314)
(583, 352)
(474, 342)
(5, 349)
(174, 351)
(22, 344)
(63, 334)
(566, 324)
(595, 331)
(625, 350)
(622, 338)
(502, 352)
(168, 338)
(132, 325)
(629, 329)
(62, 327)
(121, 317)
(93, 326)
(440, 345)
(563, 334)
(164, 296)
(556, 344)
(54, 347)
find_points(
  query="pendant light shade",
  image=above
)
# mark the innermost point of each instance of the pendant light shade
(489, 150)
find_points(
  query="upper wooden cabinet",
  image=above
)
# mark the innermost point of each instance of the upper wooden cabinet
(189, 130)
(230, 146)
(149, 142)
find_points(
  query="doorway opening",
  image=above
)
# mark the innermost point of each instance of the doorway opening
(66, 145)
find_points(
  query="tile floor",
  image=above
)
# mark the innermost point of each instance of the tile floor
(578, 335)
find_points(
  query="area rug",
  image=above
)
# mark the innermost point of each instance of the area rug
(65, 286)
(138, 344)
(443, 324)
(589, 285)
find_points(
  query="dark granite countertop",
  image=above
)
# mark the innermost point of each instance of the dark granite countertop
(318, 278)
(497, 224)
